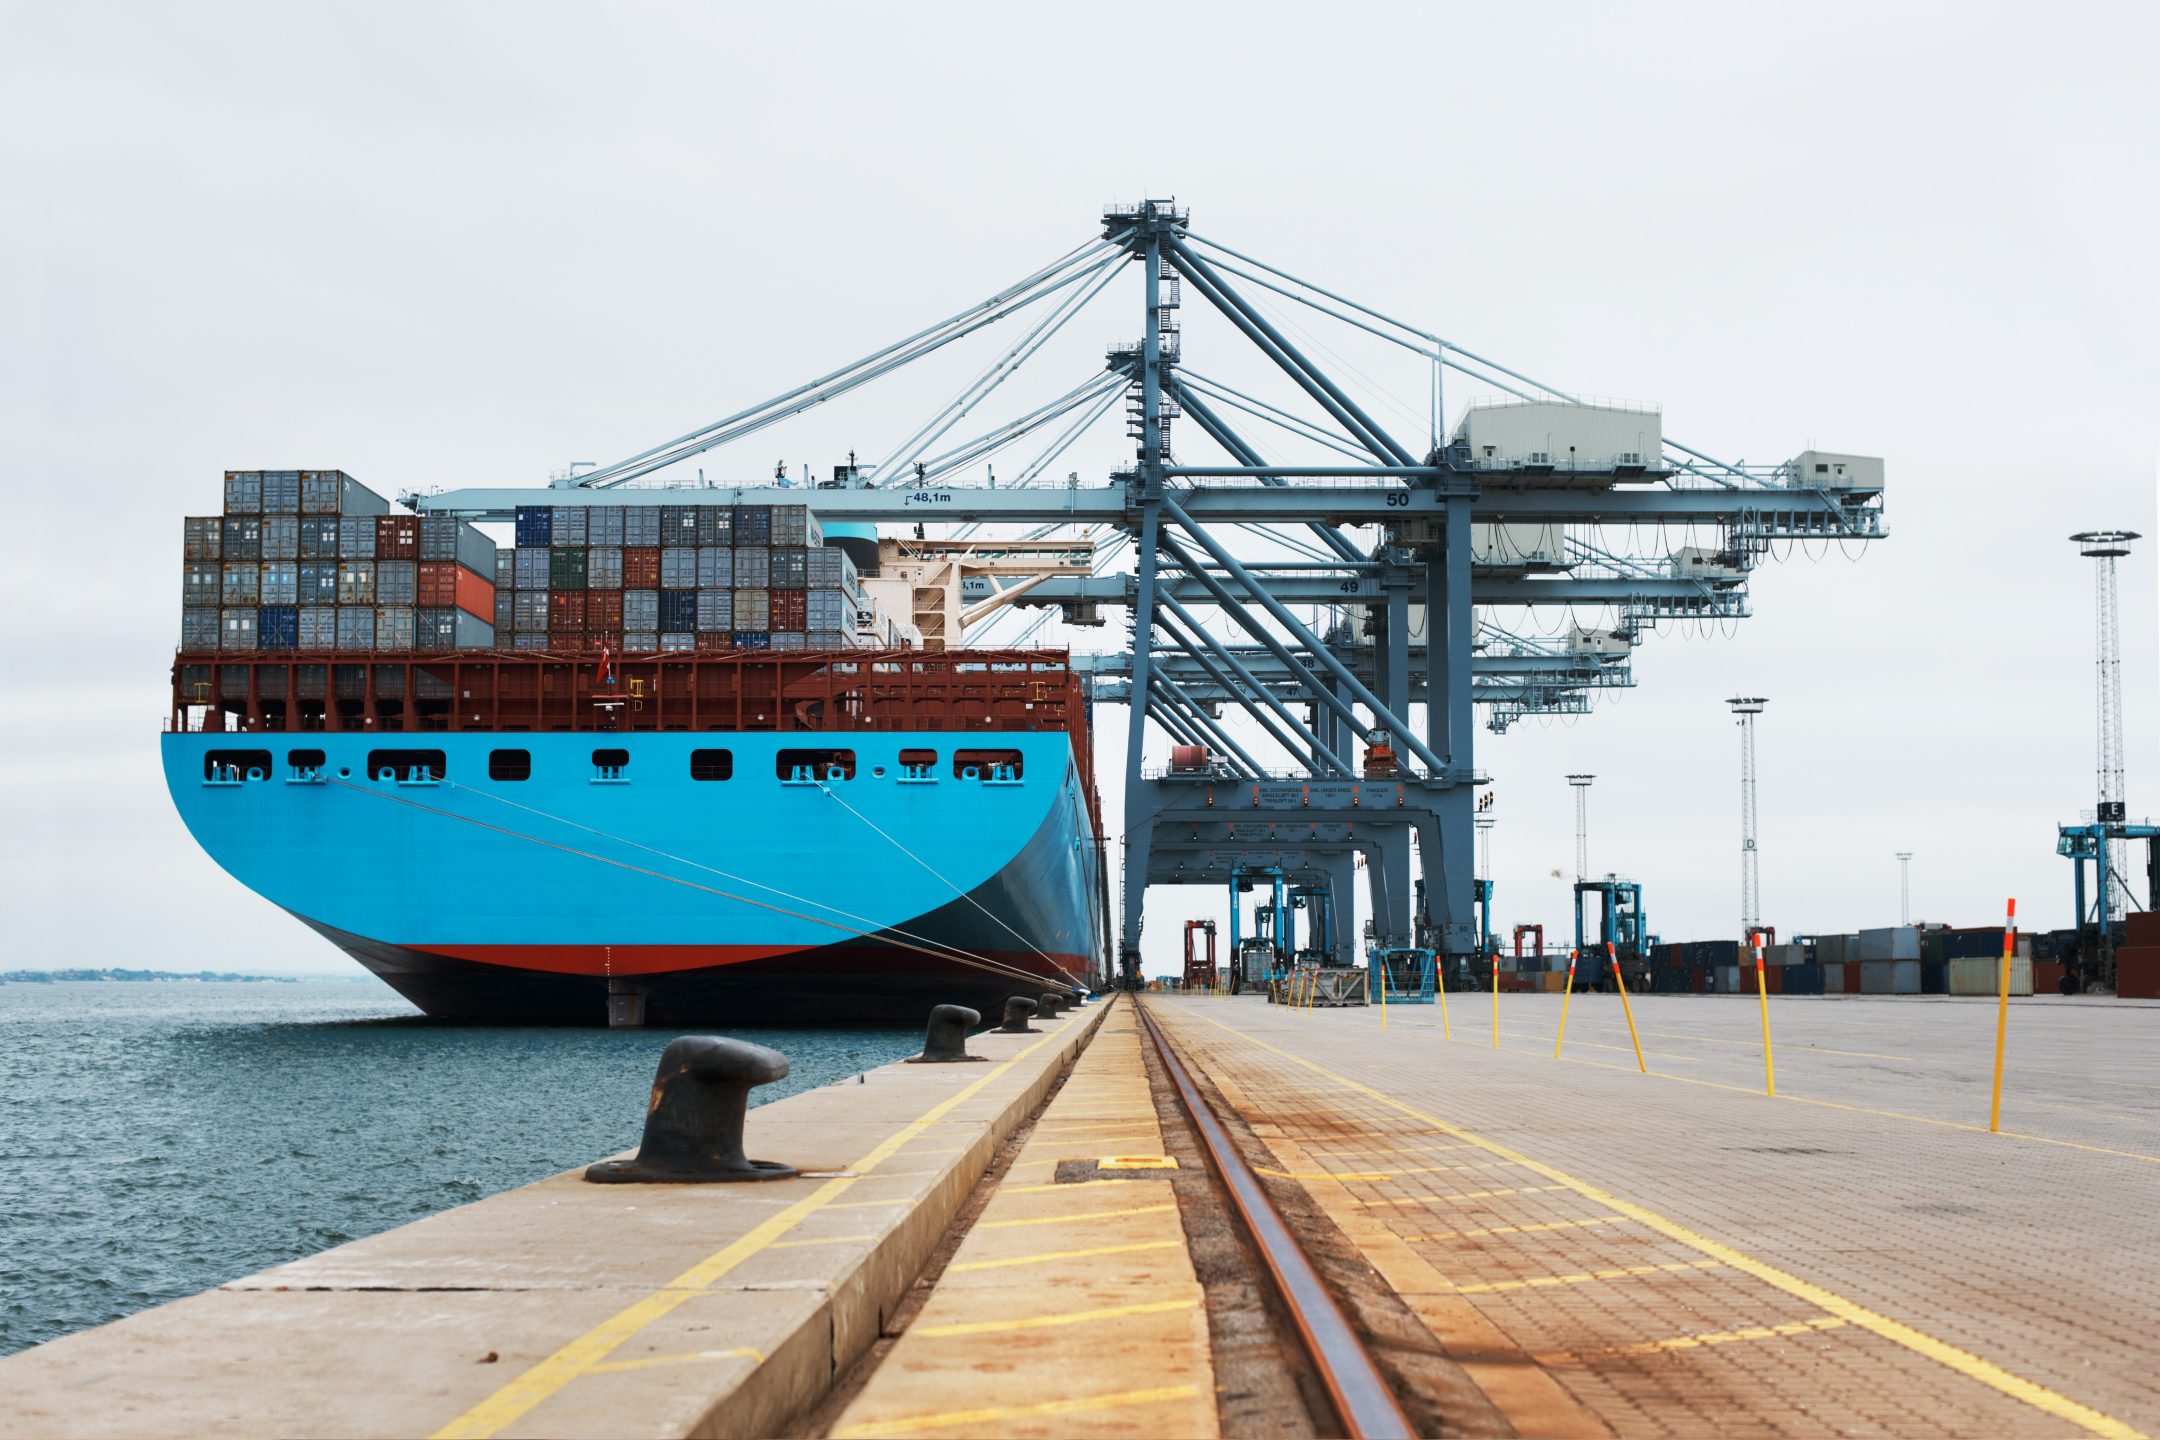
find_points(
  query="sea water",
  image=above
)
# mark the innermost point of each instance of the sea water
(158, 1138)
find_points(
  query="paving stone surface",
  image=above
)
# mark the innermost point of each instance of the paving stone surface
(1072, 1307)
(1677, 1253)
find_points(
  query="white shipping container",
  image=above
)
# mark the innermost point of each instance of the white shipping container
(199, 628)
(1984, 977)
(236, 630)
(1893, 942)
(318, 627)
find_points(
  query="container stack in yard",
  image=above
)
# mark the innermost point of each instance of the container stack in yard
(312, 560)
(2137, 963)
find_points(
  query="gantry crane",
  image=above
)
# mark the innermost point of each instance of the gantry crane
(1533, 500)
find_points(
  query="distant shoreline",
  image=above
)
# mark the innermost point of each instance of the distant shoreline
(48, 977)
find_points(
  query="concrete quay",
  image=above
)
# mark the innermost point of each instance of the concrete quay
(566, 1308)
(1033, 1246)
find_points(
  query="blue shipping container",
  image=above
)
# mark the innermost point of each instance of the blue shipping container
(752, 640)
(277, 627)
(535, 525)
(678, 610)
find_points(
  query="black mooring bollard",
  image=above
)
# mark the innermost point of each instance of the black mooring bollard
(1018, 1011)
(1050, 1004)
(694, 1123)
(946, 1039)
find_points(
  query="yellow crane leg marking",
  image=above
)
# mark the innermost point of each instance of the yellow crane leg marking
(1041, 1322)
(953, 1419)
(1088, 1254)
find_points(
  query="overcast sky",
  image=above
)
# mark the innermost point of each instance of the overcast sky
(442, 244)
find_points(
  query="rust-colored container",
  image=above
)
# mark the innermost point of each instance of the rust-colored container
(641, 569)
(1852, 977)
(566, 613)
(2137, 972)
(603, 612)
(1773, 979)
(2047, 977)
(712, 640)
(790, 610)
(437, 584)
(397, 537)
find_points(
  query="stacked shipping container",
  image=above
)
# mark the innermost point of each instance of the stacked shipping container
(644, 578)
(314, 560)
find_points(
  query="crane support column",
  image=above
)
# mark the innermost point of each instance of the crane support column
(1450, 635)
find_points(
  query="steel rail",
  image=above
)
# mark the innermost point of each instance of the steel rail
(1355, 1387)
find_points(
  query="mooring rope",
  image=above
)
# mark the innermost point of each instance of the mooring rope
(996, 967)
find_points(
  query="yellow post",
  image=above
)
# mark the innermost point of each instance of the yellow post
(1380, 971)
(2002, 1014)
(1762, 997)
(1312, 990)
(1447, 1031)
(1614, 955)
(1496, 1000)
(1566, 996)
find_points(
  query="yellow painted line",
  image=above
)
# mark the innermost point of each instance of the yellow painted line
(1964, 1362)
(1056, 1186)
(1871, 1110)
(1047, 1255)
(517, 1398)
(828, 1240)
(1043, 1322)
(1369, 1174)
(1695, 1342)
(1583, 1277)
(1520, 1229)
(1069, 1219)
(1404, 1150)
(1458, 1195)
(952, 1419)
(693, 1358)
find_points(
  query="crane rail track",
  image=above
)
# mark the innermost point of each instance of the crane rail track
(1359, 1393)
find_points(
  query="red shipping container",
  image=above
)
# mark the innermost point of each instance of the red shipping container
(596, 640)
(1852, 977)
(641, 569)
(1773, 979)
(2141, 928)
(2047, 977)
(566, 613)
(790, 610)
(603, 612)
(2137, 972)
(715, 640)
(438, 582)
(397, 537)
(474, 596)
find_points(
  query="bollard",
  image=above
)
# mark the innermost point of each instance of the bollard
(1496, 1000)
(1447, 1027)
(1018, 1010)
(694, 1122)
(945, 1041)
(1050, 1005)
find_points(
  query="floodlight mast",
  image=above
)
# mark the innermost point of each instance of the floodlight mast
(2108, 546)
(1747, 707)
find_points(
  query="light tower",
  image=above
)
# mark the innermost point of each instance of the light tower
(1747, 707)
(1904, 887)
(2108, 546)
(1582, 825)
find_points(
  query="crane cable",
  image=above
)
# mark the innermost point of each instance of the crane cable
(724, 874)
(964, 895)
(1006, 971)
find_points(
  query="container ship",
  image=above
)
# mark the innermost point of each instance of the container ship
(664, 762)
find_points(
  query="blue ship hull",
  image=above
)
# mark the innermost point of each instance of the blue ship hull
(756, 899)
